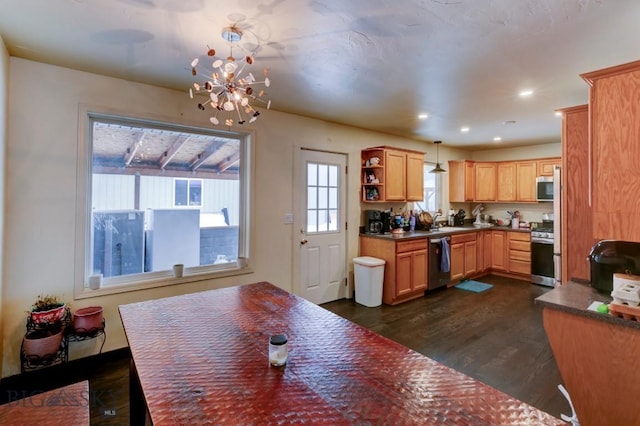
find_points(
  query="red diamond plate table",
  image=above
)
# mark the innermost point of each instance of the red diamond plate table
(67, 405)
(203, 358)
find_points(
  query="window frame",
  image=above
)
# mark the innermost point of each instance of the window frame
(147, 280)
(438, 186)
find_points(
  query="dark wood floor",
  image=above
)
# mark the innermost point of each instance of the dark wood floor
(495, 337)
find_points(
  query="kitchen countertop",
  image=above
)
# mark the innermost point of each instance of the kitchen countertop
(444, 230)
(575, 298)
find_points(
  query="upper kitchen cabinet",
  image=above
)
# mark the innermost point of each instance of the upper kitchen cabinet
(526, 172)
(576, 211)
(486, 179)
(507, 182)
(415, 176)
(546, 165)
(462, 180)
(392, 175)
(615, 127)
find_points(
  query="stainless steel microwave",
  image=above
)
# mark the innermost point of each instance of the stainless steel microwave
(544, 188)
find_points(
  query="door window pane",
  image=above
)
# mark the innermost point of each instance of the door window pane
(322, 197)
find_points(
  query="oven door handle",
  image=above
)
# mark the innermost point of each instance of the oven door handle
(541, 240)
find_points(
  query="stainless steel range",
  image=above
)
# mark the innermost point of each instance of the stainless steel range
(542, 270)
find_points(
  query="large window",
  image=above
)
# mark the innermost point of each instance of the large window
(431, 188)
(160, 195)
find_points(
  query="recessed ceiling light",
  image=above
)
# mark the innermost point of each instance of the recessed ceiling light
(464, 129)
(510, 122)
(526, 93)
(497, 139)
(423, 116)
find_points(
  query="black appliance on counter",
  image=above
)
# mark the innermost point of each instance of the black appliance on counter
(374, 222)
(611, 256)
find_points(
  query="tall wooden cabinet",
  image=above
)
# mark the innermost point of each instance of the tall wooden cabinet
(576, 235)
(615, 152)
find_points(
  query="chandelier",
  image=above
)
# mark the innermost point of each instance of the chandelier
(228, 89)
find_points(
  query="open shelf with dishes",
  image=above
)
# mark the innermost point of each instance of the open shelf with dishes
(373, 175)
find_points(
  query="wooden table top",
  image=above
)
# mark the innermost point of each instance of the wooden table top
(203, 358)
(65, 405)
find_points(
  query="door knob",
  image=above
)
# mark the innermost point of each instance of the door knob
(303, 242)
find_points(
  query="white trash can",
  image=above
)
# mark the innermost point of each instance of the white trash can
(369, 275)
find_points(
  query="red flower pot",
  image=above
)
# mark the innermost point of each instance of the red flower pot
(50, 316)
(87, 320)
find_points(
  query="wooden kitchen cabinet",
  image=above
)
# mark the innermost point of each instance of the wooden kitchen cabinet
(526, 173)
(396, 176)
(576, 237)
(485, 176)
(546, 165)
(483, 251)
(406, 266)
(462, 180)
(415, 176)
(463, 256)
(520, 253)
(615, 126)
(507, 182)
(499, 245)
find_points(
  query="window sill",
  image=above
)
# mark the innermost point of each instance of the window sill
(156, 282)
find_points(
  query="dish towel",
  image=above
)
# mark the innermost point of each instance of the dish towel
(445, 256)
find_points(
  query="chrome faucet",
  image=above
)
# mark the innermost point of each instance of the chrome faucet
(434, 225)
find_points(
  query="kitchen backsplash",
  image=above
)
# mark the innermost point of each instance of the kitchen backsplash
(528, 212)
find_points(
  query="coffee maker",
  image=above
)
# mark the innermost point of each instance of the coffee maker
(608, 257)
(374, 222)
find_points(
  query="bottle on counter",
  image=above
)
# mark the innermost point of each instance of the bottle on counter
(412, 221)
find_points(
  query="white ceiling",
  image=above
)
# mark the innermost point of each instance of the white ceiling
(369, 63)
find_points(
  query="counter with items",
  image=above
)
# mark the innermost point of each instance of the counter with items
(596, 354)
(442, 231)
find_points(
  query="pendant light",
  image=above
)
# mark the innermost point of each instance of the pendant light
(437, 168)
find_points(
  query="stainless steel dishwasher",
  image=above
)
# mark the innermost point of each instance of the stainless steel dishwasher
(437, 277)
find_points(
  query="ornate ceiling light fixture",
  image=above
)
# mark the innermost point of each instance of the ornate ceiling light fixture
(437, 168)
(229, 92)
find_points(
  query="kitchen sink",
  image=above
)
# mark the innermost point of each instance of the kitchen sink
(452, 229)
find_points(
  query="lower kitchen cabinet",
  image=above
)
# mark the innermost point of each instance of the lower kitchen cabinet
(499, 250)
(483, 251)
(411, 267)
(520, 253)
(463, 256)
(406, 267)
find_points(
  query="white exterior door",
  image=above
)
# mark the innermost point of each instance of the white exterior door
(320, 264)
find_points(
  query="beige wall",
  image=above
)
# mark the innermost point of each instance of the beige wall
(41, 158)
(521, 152)
(41, 181)
(4, 100)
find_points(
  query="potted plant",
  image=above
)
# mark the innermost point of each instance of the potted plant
(45, 328)
(42, 343)
(47, 310)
